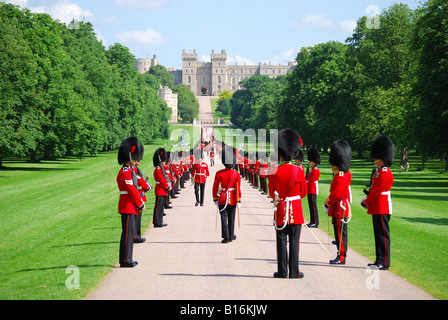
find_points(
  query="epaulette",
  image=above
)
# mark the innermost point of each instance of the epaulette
(384, 169)
(341, 173)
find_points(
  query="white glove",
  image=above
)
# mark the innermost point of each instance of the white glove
(216, 204)
(238, 205)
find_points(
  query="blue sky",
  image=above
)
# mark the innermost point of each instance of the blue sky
(251, 31)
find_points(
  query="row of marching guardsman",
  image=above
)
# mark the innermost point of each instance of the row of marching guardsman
(171, 171)
(288, 185)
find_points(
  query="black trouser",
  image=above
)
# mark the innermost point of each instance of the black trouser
(382, 238)
(127, 238)
(314, 214)
(157, 219)
(340, 234)
(227, 221)
(201, 186)
(263, 184)
(293, 232)
(138, 226)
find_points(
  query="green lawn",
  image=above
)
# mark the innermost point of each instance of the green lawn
(57, 214)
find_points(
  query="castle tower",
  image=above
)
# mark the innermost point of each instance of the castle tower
(190, 69)
(219, 72)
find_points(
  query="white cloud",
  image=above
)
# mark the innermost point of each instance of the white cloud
(66, 11)
(313, 21)
(284, 57)
(239, 60)
(146, 5)
(146, 37)
(348, 26)
(321, 21)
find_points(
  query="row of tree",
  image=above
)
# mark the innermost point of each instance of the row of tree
(388, 78)
(62, 93)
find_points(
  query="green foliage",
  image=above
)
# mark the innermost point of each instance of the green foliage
(387, 79)
(430, 40)
(63, 94)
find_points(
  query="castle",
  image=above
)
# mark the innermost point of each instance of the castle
(211, 78)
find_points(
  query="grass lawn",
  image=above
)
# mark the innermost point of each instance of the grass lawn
(57, 214)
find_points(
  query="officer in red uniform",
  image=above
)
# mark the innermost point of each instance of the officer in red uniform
(338, 202)
(287, 186)
(227, 194)
(130, 203)
(378, 201)
(312, 180)
(162, 187)
(200, 175)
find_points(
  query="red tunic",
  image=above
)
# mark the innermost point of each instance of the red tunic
(280, 191)
(142, 185)
(223, 192)
(162, 186)
(338, 200)
(130, 199)
(313, 180)
(200, 172)
(379, 200)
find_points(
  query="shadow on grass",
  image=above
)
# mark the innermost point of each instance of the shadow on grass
(436, 221)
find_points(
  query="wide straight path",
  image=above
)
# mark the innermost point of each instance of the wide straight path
(187, 261)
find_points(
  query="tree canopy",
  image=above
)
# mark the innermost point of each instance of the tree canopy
(62, 93)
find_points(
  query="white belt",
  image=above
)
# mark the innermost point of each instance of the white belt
(389, 199)
(200, 174)
(287, 200)
(123, 192)
(230, 189)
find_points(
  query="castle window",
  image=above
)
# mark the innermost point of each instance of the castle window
(189, 79)
(219, 79)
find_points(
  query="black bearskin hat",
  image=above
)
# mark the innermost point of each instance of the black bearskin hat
(383, 148)
(314, 156)
(130, 149)
(299, 156)
(289, 144)
(228, 157)
(341, 155)
(159, 156)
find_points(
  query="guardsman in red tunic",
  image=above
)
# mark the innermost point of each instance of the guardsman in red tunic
(312, 180)
(378, 201)
(200, 175)
(162, 187)
(338, 202)
(227, 194)
(287, 186)
(142, 187)
(130, 203)
(212, 157)
(264, 167)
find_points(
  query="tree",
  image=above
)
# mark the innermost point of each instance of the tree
(383, 63)
(430, 40)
